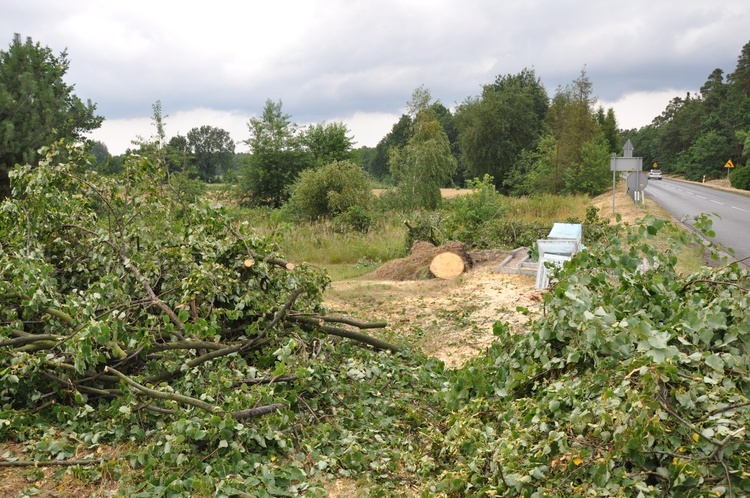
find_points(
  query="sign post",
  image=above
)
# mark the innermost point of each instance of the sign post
(729, 166)
(625, 163)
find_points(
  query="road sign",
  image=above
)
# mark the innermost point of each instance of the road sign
(729, 164)
(637, 181)
(626, 164)
(627, 149)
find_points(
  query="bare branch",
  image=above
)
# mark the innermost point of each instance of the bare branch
(51, 463)
(314, 324)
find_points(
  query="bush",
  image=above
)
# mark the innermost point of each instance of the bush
(355, 218)
(470, 215)
(740, 178)
(331, 190)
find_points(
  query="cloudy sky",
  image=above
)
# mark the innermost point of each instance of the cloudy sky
(358, 61)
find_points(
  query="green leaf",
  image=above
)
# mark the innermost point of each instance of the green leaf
(715, 362)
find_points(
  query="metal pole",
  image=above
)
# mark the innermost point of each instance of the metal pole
(613, 192)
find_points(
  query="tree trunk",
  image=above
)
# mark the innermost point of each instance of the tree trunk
(447, 265)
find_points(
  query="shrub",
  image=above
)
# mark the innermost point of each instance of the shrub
(355, 218)
(470, 215)
(740, 178)
(331, 190)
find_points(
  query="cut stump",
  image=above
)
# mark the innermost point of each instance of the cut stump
(447, 265)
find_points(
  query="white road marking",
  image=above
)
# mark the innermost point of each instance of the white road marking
(740, 209)
(717, 202)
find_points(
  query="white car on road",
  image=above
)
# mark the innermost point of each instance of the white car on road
(654, 174)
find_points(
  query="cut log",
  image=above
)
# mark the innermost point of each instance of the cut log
(447, 265)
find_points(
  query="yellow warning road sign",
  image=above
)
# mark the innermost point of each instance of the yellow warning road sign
(729, 164)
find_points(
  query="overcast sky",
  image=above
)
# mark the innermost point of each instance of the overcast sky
(217, 62)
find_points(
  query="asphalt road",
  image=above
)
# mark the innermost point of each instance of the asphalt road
(730, 212)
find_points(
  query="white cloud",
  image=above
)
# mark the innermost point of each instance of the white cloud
(367, 128)
(638, 109)
(119, 134)
(358, 62)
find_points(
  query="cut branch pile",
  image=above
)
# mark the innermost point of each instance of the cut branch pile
(110, 288)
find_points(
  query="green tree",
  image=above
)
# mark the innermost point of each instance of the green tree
(707, 156)
(608, 124)
(331, 190)
(328, 142)
(739, 79)
(448, 122)
(37, 107)
(179, 156)
(571, 118)
(572, 124)
(545, 172)
(212, 151)
(591, 175)
(399, 135)
(277, 157)
(495, 128)
(425, 163)
(154, 146)
(101, 156)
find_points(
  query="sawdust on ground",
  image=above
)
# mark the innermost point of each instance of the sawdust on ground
(449, 319)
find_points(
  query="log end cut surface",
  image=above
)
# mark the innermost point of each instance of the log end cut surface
(447, 265)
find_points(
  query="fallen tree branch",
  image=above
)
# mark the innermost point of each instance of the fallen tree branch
(313, 324)
(20, 341)
(349, 321)
(127, 263)
(187, 400)
(186, 345)
(255, 412)
(268, 380)
(728, 408)
(179, 398)
(284, 310)
(51, 463)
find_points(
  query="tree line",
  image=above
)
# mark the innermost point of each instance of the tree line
(699, 133)
(526, 141)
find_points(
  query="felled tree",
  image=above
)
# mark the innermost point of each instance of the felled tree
(110, 286)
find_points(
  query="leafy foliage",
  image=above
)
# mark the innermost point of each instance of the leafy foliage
(276, 160)
(706, 156)
(377, 165)
(634, 381)
(138, 315)
(425, 164)
(211, 152)
(328, 142)
(495, 128)
(37, 107)
(331, 190)
(591, 175)
(740, 178)
(486, 219)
